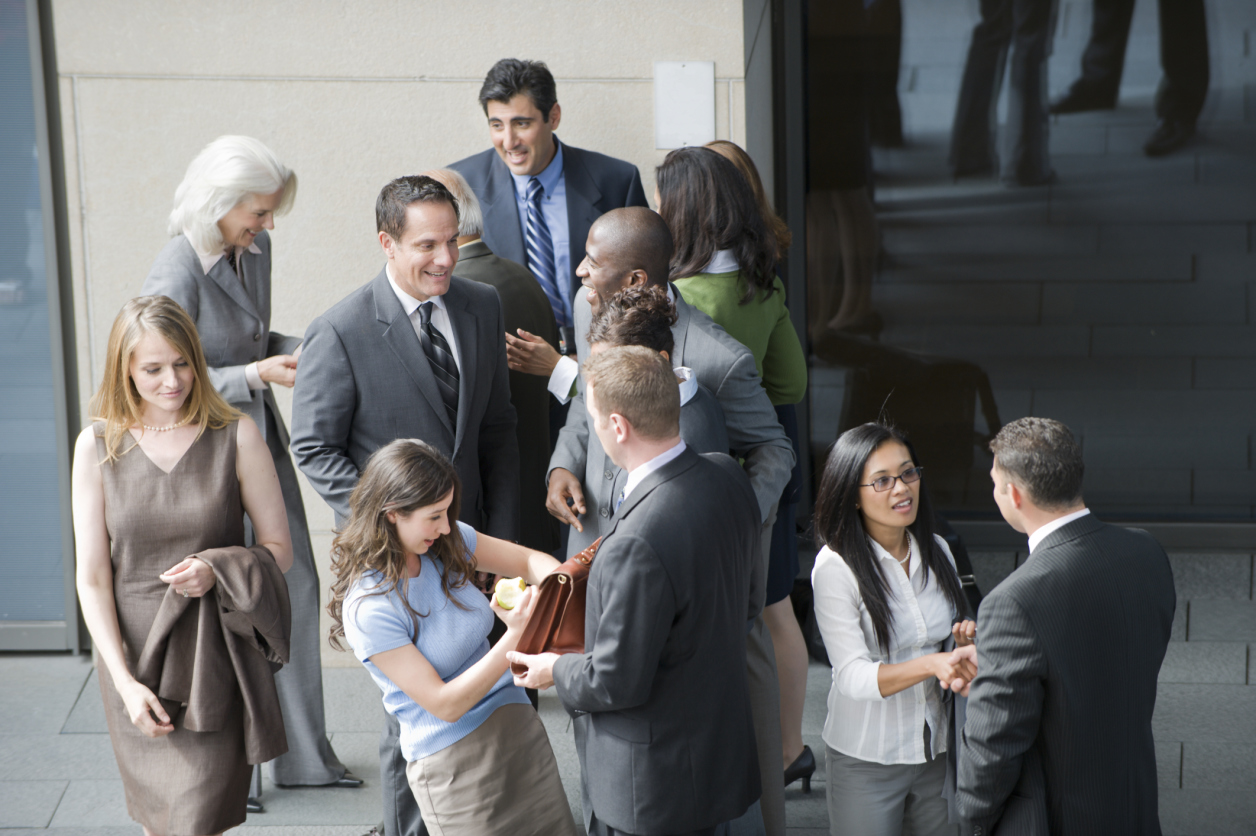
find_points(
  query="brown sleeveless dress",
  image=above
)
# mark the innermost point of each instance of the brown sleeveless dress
(186, 783)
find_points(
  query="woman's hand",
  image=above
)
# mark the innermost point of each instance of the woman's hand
(965, 632)
(515, 619)
(280, 369)
(191, 577)
(141, 705)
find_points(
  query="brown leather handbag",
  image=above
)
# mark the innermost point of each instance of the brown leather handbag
(557, 621)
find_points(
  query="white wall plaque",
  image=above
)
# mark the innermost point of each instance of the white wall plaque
(684, 103)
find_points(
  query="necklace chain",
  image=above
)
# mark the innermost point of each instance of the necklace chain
(169, 428)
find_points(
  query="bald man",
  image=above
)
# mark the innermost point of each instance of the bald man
(632, 247)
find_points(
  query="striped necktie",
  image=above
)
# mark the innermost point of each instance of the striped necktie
(541, 253)
(441, 358)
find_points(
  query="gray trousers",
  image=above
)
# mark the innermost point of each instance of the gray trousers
(765, 707)
(310, 760)
(401, 811)
(877, 799)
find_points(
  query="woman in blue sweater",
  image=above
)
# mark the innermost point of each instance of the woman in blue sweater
(404, 599)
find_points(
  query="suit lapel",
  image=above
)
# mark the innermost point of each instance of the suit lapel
(501, 212)
(583, 197)
(226, 278)
(687, 459)
(680, 331)
(399, 334)
(467, 333)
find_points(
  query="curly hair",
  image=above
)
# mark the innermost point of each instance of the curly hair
(635, 316)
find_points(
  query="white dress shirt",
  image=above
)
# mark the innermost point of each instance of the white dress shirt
(440, 316)
(862, 723)
(567, 370)
(722, 262)
(688, 383)
(1041, 534)
(251, 374)
(638, 473)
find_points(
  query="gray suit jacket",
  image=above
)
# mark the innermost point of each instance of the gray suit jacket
(364, 381)
(595, 185)
(524, 305)
(702, 428)
(1058, 734)
(726, 368)
(231, 316)
(662, 706)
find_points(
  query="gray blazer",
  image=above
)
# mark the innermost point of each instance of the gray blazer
(702, 428)
(726, 368)
(364, 381)
(231, 316)
(662, 706)
(1058, 731)
(595, 185)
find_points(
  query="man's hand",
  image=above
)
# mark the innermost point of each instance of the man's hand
(563, 484)
(540, 667)
(281, 369)
(965, 661)
(530, 354)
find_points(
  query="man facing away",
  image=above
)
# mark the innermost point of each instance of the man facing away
(414, 353)
(659, 697)
(540, 195)
(1068, 648)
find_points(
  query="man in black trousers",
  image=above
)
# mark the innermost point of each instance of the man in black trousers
(1183, 58)
(1068, 649)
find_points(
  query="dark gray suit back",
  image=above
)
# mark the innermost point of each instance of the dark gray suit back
(1070, 647)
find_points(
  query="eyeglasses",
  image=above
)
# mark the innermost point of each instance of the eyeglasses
(883, 483)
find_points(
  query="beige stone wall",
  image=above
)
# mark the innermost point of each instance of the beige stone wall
(349, 95)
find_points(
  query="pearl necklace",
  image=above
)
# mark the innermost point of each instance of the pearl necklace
(908, 557)
(169, 428)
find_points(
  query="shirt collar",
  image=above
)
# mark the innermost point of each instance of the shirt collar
(688, 384)
(880, 552)
(638, 473)
(208, 261)
(548, 177)
(722, 262)
(1059, 522)
(408, 302)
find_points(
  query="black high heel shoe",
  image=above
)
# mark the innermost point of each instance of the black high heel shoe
(802, 767)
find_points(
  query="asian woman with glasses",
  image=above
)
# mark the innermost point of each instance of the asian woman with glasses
(887, 597)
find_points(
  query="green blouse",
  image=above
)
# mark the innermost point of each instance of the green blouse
(762, 326)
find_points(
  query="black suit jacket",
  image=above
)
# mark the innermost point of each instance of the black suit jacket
(595, 185)
(1058, 733)
(662, 706)
(524, 305)
(364, 381)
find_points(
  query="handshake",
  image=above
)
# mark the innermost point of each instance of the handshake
(955, 670)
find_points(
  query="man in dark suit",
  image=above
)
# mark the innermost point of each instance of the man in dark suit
(539, 195)
(1068, 649)
(1183, 58)
(414, 353)
(525, 308)
(661, 707)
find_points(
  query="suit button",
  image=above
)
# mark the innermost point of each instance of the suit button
(609, 475)
(256, 337)
(605, 512)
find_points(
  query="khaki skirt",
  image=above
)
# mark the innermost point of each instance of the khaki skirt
(501, 778)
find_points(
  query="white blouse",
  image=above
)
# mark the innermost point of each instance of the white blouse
(861, 723)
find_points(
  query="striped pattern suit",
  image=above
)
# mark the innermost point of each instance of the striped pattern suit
(1058, 732)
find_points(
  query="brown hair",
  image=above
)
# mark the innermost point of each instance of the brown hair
(635, 316)
(738, 156)
(402, 476)
(396, 196)
(637, 383)
(117, 403)
(1042, 455)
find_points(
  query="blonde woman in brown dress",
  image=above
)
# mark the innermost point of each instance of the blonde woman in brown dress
(166, 471)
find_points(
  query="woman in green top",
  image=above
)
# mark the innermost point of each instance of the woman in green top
(724, 264)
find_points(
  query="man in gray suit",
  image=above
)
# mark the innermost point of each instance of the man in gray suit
(540, 195)
(661, 708)
(414, 353)
(1058, 733)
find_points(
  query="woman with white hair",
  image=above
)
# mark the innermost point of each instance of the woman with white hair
(217, 267)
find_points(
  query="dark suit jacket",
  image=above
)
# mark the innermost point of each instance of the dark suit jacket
(364, 381)
(232, 317)
(663, 728)
(1058, 734)
(524, 305)
(595, 185)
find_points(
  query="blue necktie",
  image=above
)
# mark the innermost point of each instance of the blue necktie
(541, 253)
(620, 500)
